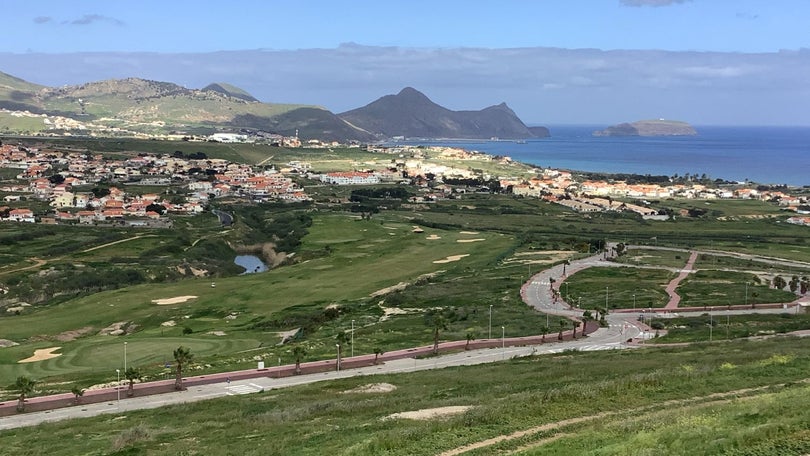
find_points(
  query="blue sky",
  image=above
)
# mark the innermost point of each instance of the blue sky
(708, 62)
(55, 26)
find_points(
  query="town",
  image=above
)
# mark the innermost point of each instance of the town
(58, 176)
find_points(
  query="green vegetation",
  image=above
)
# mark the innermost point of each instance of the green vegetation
(615, 287)
(721, 325)
(712, 288)
(744, 397)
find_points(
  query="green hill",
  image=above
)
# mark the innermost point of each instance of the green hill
(134, 106)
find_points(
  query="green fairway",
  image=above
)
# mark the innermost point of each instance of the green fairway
(616, 287)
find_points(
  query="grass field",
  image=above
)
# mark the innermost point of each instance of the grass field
(721, 326)
(741, 397)
(616, 287)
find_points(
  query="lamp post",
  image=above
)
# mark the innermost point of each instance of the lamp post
(337, 361)
(567, 293)
(352, 342)
(634, 301)
(711, 325)
(503, 341)
(489, 336)
(118, 386)
(746, 293)
(607, 293)
(125, 356)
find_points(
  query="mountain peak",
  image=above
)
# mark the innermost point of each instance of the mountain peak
(229, 90)
(412, 114)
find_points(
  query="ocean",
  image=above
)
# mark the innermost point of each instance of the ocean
(765, 155)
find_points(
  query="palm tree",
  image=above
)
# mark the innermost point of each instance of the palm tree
(470, 338)
(562, 327)
(377, 352)
(182, 356)
(132, 374)
(77, 393)
(544, 330)
(298, 352)
(25, 386)
(576, 325)
(438, 322)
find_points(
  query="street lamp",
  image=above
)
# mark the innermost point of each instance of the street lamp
(634, 301)
(125, 356)
(607, 293)
(746, 293)
(567, 293)
(503, 340)
(710, 326)
(118, 385)
(490, 322)
(337, 361)
(352, 343)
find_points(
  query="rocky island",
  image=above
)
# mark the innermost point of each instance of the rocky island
(660, 127)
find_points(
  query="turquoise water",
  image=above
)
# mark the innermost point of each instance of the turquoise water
(767, 155)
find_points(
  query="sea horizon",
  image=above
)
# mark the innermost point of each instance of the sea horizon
(767, 155)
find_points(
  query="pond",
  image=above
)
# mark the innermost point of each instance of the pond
(251, 263)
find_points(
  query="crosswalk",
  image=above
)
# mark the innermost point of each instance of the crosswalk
(595, 347)
(245, 388)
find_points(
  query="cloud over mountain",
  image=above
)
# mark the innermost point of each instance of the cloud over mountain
(542, 85)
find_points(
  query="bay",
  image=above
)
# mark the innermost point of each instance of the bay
(765, 155)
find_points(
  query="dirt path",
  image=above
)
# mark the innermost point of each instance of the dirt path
(674, 297)
(37, 263)
(117, 242)
(711, 399)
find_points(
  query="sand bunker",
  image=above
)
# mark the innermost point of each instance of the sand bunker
(468, 232)
(433, 237)
(451, 258)
(470, 240)
(175, 300)
(372, 388)
(429, 414)
(42, 354)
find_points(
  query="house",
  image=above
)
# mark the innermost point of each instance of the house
(21, 215)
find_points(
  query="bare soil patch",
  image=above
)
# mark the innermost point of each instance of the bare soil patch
(468, 232)
(372, 388)
(7, 343)
(432, 413)
(67, 336)
(41, 355)
(175, 300)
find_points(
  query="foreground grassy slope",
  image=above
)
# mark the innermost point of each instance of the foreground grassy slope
(731, 398)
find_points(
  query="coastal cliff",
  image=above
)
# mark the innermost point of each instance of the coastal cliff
(658, 127)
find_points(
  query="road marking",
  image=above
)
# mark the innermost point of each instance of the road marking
(243, 389)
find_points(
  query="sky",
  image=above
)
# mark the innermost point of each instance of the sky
(555, 61)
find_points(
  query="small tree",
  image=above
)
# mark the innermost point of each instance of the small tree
(298, 352)
(470, 338)
(576, 325)
(77, 393)
(182, 356)
(544, 330)
(438, 323)
(25, 386)
(377, 352)
(132, 374)
(562, 327)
